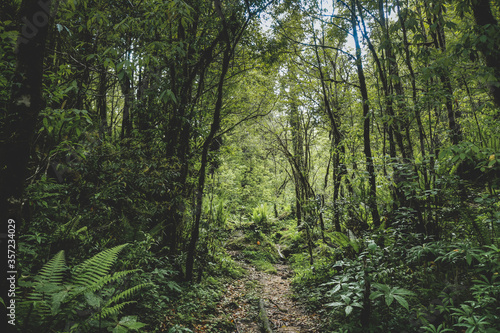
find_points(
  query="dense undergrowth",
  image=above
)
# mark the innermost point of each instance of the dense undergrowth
(392, 279)
(432, 266)
(395, 280)
(141, 152)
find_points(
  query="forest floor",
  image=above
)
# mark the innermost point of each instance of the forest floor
(241, 301)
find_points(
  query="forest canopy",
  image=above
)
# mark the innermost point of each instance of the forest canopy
(357, 140)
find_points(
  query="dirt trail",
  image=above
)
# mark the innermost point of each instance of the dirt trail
(285, 315)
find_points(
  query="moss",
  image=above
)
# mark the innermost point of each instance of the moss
(237, 242)
(264, 266)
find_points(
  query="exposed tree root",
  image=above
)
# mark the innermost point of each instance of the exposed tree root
(264, 320)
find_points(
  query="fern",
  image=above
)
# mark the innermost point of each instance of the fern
(53, 302)
(99, 284)
(128, 293)
(53, 271)
(113, 311)
(93, 270)
(345, 241)
(47, 283)
(69, 231)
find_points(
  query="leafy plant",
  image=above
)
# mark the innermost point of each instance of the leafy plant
(433, 329)
(260, 217)
(391, 294)
(179, 329)
(80, 299)
(349, 243)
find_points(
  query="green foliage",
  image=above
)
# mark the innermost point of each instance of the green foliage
(260, 217)
(474, 308)
(261, 259)
(179, 329)
(61, 124)
(349, 243)
(391, 294)
(457, 280)
(54, 301)
(136, 182)
(8, 37)
(433, 329)
(359, 282)
(194, 303)
(159, 272)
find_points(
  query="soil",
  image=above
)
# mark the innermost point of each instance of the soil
(241, 301)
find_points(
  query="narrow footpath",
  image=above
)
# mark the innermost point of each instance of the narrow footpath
(257, 290)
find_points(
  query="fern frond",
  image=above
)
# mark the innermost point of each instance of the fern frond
(126, 294)
(112, 311)
(39, 310)
(109, 279)
(52, 272)
(340, 239)
(65, 230)
(343, 240)
(93, 270)
(48, 281)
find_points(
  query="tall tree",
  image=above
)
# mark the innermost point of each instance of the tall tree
(488, 34)
(370, 168)
(19, 121)
(214, 128)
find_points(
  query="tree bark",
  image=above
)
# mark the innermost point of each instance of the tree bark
(488, 26)
(19, 124)
(104, 129)
(372, 197)
(214, 128)
(126, 119)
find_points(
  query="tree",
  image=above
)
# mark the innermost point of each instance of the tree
(372, 198)
(488, 32)
(19, 121)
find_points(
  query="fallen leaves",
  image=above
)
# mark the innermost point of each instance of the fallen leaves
(284, 314)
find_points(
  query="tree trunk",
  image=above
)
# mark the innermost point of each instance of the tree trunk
(372, 197)
(338, 149)
(439, 40)
(298, 153)
(488, 26)
(214, 128)
(127, 93)
(406, 44)
(104, 129)
(20, 122)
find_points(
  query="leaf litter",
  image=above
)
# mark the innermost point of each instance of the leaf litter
(239, 304)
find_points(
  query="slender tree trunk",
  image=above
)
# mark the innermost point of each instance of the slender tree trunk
(401, 118)
(298, 156)
(126, 121)
(372, 197)
(338, 149)
(416, 107)
(439, 40)
(104, 129)
(393, 128)
(214, 128)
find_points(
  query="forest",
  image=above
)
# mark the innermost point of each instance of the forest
(250, 166)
